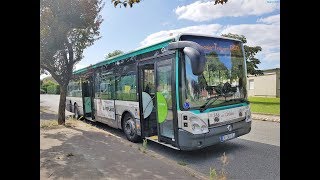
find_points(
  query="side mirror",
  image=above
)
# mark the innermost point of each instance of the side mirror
(194, 51)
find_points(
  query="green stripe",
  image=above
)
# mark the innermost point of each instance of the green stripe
(219, 108)
(177, 80)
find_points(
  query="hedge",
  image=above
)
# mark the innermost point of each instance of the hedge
(53, 89)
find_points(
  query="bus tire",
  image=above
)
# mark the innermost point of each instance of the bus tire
(129, 128)
(76, 111)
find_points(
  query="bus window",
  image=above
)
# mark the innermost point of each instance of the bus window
(107, 86)
(126, 88)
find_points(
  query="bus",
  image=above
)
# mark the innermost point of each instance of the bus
(186, 92)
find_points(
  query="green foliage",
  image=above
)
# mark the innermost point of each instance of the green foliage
(220, 1)
(250, 53)
(42, 91)
(144, 143)
(46, 84)
(212, 174)
(125, 3)
(221, 175)
(182, 163)
(53, 89)
(114, 53)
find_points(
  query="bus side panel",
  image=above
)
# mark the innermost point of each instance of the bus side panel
(104, 112)
(127, 106)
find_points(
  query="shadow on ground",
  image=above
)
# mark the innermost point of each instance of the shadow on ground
(46, 114)
(93, 155)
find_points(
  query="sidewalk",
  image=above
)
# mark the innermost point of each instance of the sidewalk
(266, 117)
(86, 152)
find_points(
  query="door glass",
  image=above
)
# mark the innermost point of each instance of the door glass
(164, 98)
(87, 95)
(148, 100)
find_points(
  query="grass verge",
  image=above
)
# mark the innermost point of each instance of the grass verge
(52, 124)
(265, 105)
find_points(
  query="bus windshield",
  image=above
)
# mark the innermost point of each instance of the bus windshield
(223, 81)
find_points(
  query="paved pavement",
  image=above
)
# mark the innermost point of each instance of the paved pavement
(264, 132)
(82, 153)
(253, 156)
(51, 102)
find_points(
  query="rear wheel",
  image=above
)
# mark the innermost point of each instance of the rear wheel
(129, 128)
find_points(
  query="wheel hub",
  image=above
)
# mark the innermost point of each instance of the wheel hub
(129, 127)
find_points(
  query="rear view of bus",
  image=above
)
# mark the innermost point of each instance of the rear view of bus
(212, 104)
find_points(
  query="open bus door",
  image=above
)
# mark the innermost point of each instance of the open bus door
(156, 86)
(87, 97)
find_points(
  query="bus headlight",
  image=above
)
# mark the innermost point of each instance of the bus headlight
(198, 126)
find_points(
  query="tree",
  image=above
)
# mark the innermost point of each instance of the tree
(125, 3)
(250, 53)
(114, 53)
(67, 27)
(220, 1)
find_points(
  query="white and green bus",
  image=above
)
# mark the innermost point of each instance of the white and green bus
(187, 92)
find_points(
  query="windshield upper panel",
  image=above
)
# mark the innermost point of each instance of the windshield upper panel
(224, 80)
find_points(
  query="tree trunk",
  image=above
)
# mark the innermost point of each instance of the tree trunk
(62, 105)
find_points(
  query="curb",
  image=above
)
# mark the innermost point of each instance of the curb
(264, 117)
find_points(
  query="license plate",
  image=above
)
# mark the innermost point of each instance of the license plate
(227, 137)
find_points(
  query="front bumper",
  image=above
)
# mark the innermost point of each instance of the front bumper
(189, 141)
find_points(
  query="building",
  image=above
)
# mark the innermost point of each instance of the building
(267, 85)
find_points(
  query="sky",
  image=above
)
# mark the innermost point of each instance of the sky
(151, 21)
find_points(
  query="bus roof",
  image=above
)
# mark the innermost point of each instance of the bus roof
(129, 54)
(145, 49)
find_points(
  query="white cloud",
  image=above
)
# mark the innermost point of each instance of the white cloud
(266, 36)
(272, 56)
(206, 10)
(210, 29)
(79, 66)
(275, 19)
(166, 23)
(44, 75)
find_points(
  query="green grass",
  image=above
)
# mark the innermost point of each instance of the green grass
(265, 105)
(182, 163)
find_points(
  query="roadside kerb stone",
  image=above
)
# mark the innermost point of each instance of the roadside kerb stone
(266, 117)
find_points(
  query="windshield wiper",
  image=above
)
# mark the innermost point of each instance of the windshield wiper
(209, 102)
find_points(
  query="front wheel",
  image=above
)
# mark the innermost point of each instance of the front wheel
(129, 128)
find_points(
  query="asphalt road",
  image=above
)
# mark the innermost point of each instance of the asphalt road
(252, 156)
